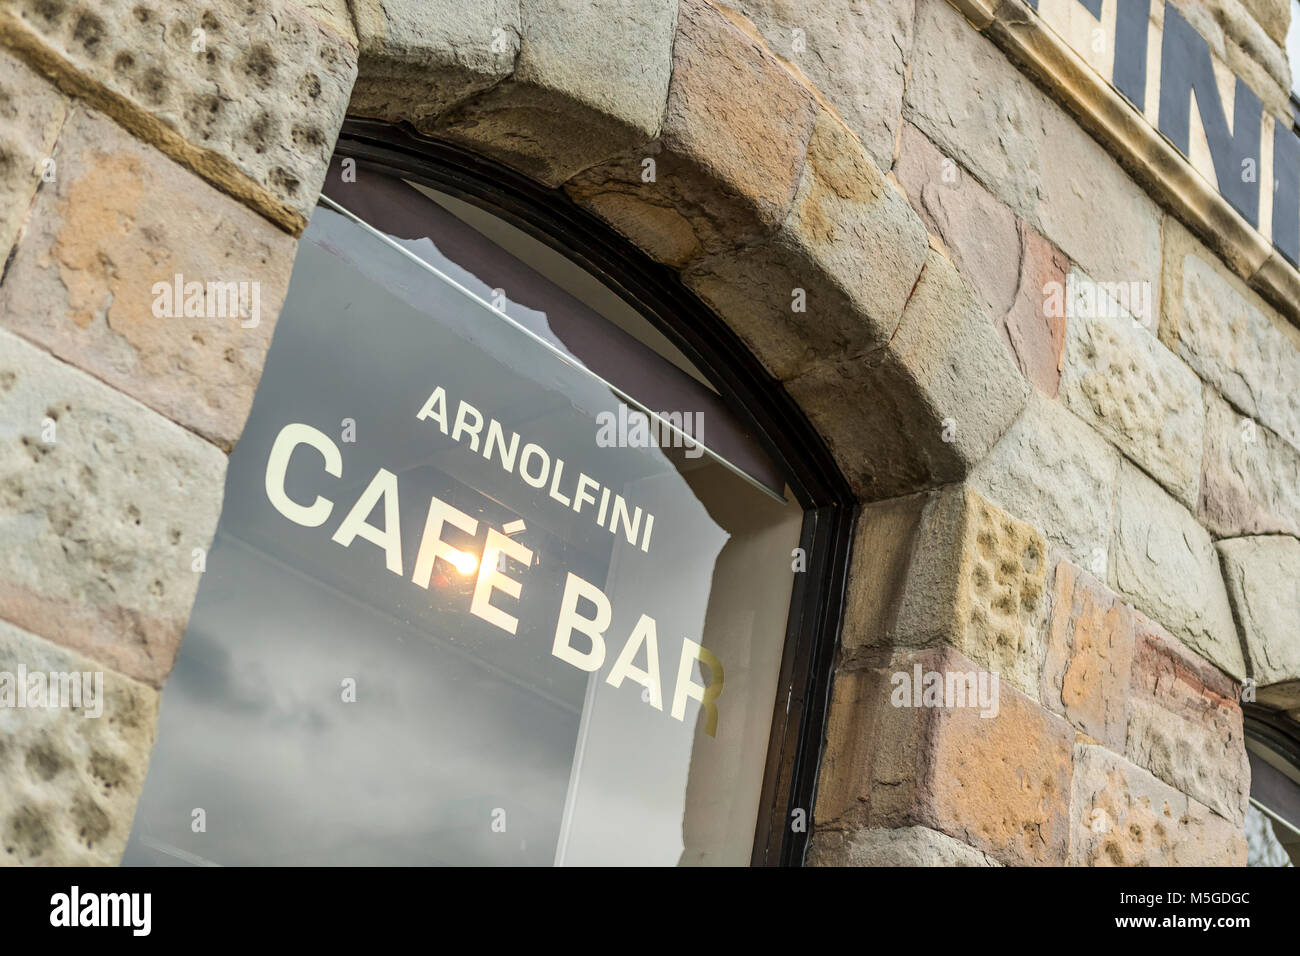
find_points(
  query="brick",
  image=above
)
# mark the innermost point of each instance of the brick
(100, 523)
(120, 218)
(69, 781)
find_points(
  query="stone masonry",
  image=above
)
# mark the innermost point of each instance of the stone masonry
(1073, 430)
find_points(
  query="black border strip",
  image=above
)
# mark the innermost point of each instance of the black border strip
(799, 718)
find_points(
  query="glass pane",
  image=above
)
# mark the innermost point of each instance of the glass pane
(390, 657)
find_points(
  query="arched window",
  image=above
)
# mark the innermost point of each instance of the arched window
(522, 559)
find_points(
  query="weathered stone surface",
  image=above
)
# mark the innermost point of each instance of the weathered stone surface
(1124, 383)
(417, 58)
(853, 52)
(1089, 656)
(1026, 150)
(1250, 476)
(1263, 577)
(31, 114)
(1052, 470)
(728, 160)
(999, 784)
(1185, 723)
(69, 781)
(590, 83)
(1123, 816)
(906, 846)
(1229, 336)
(263, 96)
(1273, 15)
(100, 522)
(975, 582)
(924, 410)
(119, 218)
(1005, 259)
(1165, 563)
(850, 243)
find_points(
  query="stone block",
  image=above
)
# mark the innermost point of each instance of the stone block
(906, 846)
(1229, 336)
(1185, 723)
(69, 781)
(1250, 476)
(257, 98)
(1121, 815)
(854, 53)
(1089, 656)
(418, 58)
(102, 503)
(1055, 472)
(1166, 565)
(1263, 578)
(31, 114)
(1122, 381)
(833, 280)
(590, 83)
(120, 219)
(924, 410)
(728, 159)
(1004, 258)
(1026, 150)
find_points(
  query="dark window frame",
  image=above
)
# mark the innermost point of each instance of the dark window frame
(657, 292)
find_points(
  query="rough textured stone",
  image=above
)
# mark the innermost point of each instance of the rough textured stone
(264, 96)
(1229, 336)
(1123, 382)
(1273, 15)
(1003, 257)
(1263, 577)
(728, 161)
(907, 846)
(1185, 723)
(1123, 816)
(417, 58)
(590, 82)
(854, 52)
(1089, 656)
(924, 410)
(1165, 563)
(999, 784)
(31, 114)
(1052, 470)
(1026, 150)
(69, 781)
(850, 243)
(1250, 476)
(119, 218)
(99, 524)
(975, 583)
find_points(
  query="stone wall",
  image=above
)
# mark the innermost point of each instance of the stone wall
(1097, 503)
